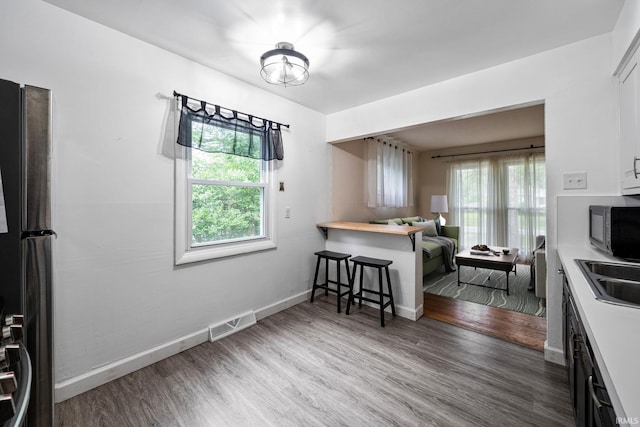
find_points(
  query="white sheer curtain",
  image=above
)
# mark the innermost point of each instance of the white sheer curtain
(499, 201)
(389, 173)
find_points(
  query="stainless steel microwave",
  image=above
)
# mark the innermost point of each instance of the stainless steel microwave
(616, 230)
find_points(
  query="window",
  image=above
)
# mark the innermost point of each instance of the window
(223, 201)
(499, 201)
(525, 202)
(389, 173)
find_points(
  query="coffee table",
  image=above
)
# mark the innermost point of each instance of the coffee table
(495, 260)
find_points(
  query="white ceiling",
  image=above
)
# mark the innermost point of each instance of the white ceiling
(360, 50)
(505, 125)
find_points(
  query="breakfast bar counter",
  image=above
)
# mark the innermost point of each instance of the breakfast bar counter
(392, 242)
(404, 230)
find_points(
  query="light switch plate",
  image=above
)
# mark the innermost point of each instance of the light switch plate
(574, 180)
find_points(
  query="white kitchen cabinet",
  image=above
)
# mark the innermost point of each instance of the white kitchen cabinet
(629, 92)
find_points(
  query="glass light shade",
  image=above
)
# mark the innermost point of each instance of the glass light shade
(284, 66)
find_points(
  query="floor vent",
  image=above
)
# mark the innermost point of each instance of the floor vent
(229, 327)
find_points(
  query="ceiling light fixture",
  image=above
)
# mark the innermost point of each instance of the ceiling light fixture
(284, 66)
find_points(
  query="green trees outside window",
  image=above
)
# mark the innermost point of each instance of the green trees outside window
(227, 197)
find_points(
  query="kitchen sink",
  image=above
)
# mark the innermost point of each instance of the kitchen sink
(622, 289)
(614, 271)
(615, 283)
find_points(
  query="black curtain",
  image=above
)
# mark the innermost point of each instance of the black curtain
(230, 132)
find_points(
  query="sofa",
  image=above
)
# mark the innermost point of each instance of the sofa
(432, 253)
(539, 269)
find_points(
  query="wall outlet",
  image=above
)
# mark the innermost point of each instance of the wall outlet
(287, 212)
(574, 180)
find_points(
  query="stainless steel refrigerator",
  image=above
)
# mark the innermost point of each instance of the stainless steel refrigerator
(25, 232)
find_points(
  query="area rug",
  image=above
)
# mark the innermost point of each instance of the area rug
(519, 299)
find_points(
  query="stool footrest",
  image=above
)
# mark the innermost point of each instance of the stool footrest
(386, 304)
(335, 291)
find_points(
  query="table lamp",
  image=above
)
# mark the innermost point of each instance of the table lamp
(439, 205)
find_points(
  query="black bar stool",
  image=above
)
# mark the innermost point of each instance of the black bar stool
(333, 256)
(379, 264)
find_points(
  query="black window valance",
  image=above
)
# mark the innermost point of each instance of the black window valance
(214, 129)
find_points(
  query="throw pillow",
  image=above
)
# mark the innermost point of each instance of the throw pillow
(438, 227)
(428, 227)
(392, 222)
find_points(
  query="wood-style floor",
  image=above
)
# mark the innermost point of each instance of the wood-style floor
(509, 325)
(310, 366)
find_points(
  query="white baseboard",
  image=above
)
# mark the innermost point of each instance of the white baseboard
(282, 305)
(401, 310)
(72, 387)
(409, 313)
(96, 377)
(553, 355)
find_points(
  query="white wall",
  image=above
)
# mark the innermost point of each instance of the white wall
(119, 301)
(576, 84)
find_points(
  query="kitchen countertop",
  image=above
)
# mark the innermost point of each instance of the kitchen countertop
(613, 331)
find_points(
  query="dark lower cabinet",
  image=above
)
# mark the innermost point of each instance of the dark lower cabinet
(601, 411)
(591, 403)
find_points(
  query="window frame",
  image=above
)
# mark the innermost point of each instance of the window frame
(185, 252)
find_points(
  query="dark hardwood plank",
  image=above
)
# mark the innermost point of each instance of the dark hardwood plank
(520, 328)
(311, 366)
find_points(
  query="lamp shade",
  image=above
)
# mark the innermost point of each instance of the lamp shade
(284, 66)
(439, 204)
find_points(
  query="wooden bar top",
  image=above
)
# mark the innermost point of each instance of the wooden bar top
(401, 230)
